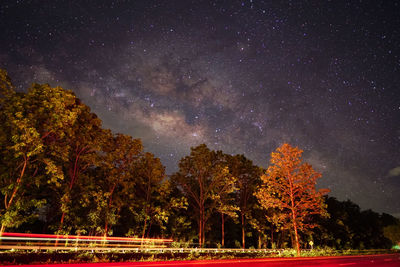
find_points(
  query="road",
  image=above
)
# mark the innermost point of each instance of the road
(368, 260)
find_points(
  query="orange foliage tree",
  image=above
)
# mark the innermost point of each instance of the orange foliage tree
(289, 190)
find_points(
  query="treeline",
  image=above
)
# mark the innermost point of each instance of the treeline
(61, 172)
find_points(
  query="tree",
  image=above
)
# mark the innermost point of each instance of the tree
(336, 231)
(149, 189)
(6, 87)
(33, 123)
(350, 228)
(289, 186)
(248, 179)
(85, 139)
(179, 222)
(223, 196)
(120, 155)
(392, 232)
(199, 176)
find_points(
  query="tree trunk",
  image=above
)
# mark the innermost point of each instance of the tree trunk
(272, 237)
(281, 236)
(243, 233)
(3, 227)
(17, 184)
(108, 208)
(296, 236)
(61, 222)
(73, 173)
(203, 227)
(106, 228)
(223, 230)
(147, 209)
(200, 228)
(144, 231)
(149, 229)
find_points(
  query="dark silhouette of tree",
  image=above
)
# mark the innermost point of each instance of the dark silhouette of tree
(348, 227)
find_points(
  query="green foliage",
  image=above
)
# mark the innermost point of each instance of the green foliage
(204, 179)
(22, 211)
(117, 166)
(247, 181)
(33, 123)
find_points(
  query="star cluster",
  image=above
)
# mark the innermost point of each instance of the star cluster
(240, 76)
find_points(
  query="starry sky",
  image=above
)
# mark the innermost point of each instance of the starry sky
(241, 76)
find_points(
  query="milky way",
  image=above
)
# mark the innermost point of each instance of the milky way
(240, 76)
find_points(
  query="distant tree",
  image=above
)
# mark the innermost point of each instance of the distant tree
(369, 231)
(289, 186)
(392, 232)
(350, 228)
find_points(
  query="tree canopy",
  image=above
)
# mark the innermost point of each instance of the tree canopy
(289, 188)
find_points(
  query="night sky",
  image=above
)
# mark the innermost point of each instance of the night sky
(241, 76)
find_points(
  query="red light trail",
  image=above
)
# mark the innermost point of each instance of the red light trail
(86, 238)
(28, 241)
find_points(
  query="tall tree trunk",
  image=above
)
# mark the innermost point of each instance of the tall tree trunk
(147, 209)
(200, 227)
(296, 236)
(73, 172)
(108, 208)
(272, 237)
(201, 209)
(149, 229)
(8, 204)
(280, 240)
(144, 230)
(223, 230)
(106, 228)
(243, 233)
(61, 221)
(203, 228)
